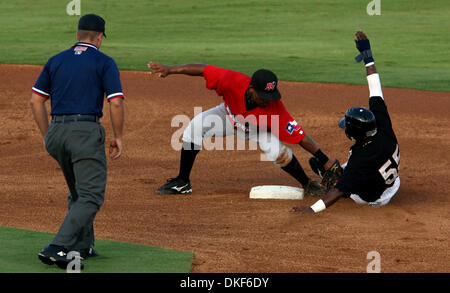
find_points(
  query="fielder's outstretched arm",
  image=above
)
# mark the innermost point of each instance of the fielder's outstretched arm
(163, 70)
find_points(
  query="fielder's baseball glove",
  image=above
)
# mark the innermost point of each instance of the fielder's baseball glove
(331, 175)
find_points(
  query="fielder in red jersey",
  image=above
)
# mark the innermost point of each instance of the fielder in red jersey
(233, 85)
(252, 110)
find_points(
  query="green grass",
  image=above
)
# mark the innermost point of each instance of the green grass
(310, 40)
(19, 249)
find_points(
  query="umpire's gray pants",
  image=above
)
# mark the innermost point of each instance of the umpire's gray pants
(79, 149)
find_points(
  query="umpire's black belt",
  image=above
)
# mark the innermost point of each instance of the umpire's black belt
(74, 118)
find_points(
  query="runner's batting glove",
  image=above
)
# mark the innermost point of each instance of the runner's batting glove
(366, 53)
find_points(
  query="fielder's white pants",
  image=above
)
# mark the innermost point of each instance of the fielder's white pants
(216, 122)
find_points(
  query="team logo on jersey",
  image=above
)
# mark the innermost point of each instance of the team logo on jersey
(293, 126)
(270, 86)
(79, 50)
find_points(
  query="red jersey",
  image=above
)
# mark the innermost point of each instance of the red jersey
(232, 86)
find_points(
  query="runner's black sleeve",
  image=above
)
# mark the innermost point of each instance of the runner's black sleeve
(379, 109)
(351, 179)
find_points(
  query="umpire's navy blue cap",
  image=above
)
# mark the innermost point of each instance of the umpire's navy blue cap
(92, 22)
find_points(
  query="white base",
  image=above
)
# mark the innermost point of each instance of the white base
(276, 192)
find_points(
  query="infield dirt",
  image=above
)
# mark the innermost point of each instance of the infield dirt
(227, 231)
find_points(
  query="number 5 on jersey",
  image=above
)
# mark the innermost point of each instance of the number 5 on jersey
(388, 172)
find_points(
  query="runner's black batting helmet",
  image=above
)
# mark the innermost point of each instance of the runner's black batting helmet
(359, 123)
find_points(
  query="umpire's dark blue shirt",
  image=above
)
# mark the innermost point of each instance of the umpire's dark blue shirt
(77, 79)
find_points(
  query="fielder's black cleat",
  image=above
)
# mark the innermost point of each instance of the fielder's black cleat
(54, 254)
(175, 186)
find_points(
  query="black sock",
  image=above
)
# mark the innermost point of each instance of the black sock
(295, 170)
(188, 154)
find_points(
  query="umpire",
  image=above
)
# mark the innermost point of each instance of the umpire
(75, 81)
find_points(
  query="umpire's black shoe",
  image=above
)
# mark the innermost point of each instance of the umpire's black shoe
(88, 253)
(54, 254)
(176, 186)
(316, 166)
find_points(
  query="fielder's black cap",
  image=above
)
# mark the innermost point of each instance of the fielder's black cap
(92, 22)
(265, 83)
